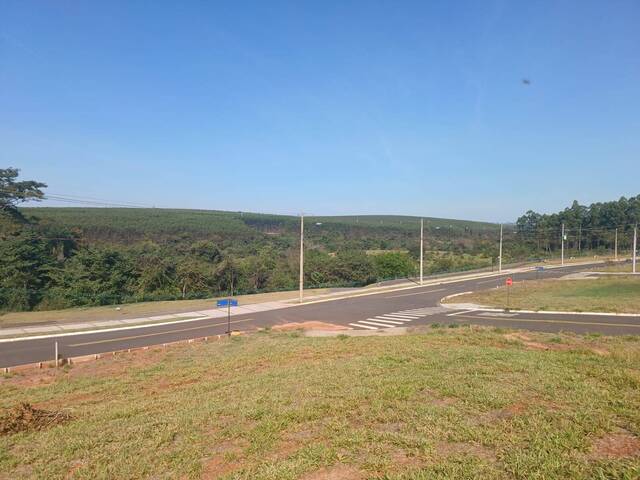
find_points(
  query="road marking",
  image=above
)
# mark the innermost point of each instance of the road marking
(376, 323)
(363, 326)
(401, 316)
(400, 320)
(493, 280)
(133, 337)
(417, 293)
(387, 317)
(538, 320)
(497, 314)
(460, 313)
(382, 319)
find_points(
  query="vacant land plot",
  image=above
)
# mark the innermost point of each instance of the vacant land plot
(449, 403)
(142, 309)
(620, 294)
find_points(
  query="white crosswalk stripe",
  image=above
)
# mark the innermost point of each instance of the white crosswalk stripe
(378, 324)
(362, 326)
(399, 321)
(395, 319)
(385, 320)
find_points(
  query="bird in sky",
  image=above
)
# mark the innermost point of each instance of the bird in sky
(526, 81)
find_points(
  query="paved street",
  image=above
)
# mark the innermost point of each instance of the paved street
(389, 309)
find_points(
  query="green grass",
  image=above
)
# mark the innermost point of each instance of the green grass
(448, 404)
(620, 294)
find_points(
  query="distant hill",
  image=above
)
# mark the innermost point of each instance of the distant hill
(117, 224)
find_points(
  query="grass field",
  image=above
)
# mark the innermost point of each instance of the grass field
(619, 294)
(448, 403)
(142, 309)
(617, 268)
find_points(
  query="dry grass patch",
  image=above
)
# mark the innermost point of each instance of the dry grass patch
(464, 403)
(24, 417)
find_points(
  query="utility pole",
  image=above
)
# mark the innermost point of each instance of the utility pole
(562, 247)
(421, 249)
(615, 247)
(500, 252)
(635, 243)
(301, 255)
(229, 301)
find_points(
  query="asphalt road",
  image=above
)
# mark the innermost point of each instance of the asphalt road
(416, 306)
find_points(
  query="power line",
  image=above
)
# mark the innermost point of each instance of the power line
(67, 198)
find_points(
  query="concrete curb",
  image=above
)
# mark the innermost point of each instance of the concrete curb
(88, 358)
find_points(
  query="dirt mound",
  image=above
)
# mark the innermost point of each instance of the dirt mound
(25, 417)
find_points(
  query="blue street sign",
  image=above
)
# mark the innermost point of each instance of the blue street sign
(225, 302)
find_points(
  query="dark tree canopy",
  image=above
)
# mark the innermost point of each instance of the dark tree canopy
(13, 192)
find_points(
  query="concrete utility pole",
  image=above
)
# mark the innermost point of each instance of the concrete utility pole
(635, 244)
(562, 247)
(500, 252)
(301, 255)
(615, 247)
(421, 249)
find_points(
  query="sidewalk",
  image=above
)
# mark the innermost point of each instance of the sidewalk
(21, 332)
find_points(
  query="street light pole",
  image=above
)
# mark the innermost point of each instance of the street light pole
(562, 247)
(615, 247)
(421, 248)
(500, 252)
(635, 244)
(301, 255)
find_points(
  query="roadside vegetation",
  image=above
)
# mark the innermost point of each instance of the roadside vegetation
(449, 403)
(55, 258)
(618, 294)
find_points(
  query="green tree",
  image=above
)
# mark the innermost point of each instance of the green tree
(13, 192)
(24, 268)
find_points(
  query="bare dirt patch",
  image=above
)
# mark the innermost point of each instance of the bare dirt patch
(337, 472)
(527, 341)
(389, 427)
(291, 442)
(438, 400)
(401, 458)
(532, 344)
(311, 325)
(503, 413)
(620, 444)
(225, 460)
(25, 417)
(459, 448)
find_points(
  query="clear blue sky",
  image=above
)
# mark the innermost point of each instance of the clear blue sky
(325, 107)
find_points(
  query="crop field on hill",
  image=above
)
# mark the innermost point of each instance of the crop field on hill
(238, 224)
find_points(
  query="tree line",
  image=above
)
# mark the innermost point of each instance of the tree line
(587, 228)
(54, 258)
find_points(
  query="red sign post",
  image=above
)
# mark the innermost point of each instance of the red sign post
(508, 282)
